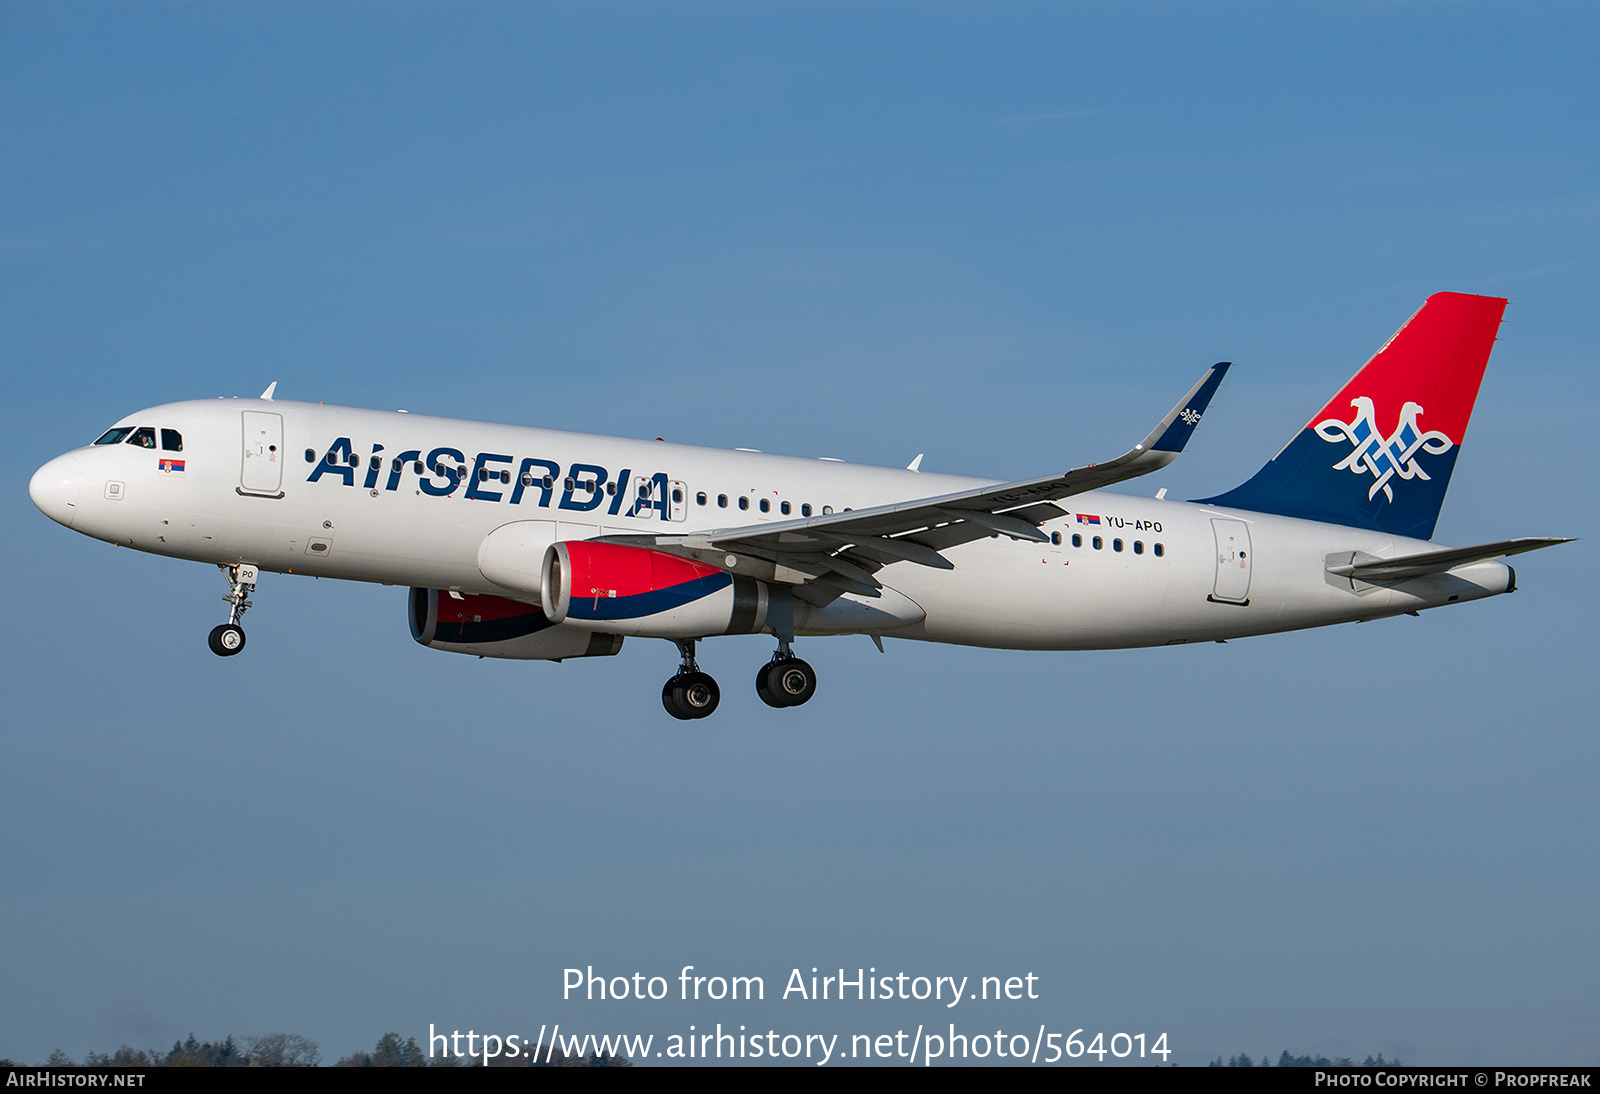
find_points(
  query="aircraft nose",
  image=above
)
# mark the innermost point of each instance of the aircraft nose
(54, 488)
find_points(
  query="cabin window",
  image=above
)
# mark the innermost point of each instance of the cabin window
(1055, 538)
(1138, 546)
(171, 440)
(117, 435)
(1160, 550)
(744, 502)
(783, 507)
(827, 510)
(805, 509)
(505, 477)
(722, 501)
(677, 494)
(1077, 540)
(1098, 543)
(311, 456)
(700, 498)
(1116, 545)
(766, 506)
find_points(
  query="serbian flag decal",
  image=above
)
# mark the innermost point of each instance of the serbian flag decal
(171, 467)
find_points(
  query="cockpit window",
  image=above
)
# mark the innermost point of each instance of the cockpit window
(144, 437)
(171, 440)
(115, 435)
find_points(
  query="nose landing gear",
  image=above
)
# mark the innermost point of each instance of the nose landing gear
(228, 638)
(691, 693)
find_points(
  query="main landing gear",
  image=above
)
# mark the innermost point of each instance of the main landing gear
(785, 681)
(228, 639)
(691, 693)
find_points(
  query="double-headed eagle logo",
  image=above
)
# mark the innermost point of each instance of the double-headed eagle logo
(1383, 458)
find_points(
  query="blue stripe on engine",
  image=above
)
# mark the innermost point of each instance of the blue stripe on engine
(640, 605)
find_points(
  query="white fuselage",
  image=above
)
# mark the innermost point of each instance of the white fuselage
(257, 486)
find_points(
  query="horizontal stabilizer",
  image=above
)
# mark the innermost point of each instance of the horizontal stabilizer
(1438, 562)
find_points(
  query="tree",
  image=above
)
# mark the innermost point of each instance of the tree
(282, 1050)
(390, 1051)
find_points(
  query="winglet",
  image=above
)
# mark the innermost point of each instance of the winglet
(916, 464)
(1179, 425)
(267, 394)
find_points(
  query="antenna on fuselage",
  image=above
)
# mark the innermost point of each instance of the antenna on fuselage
(267, 394)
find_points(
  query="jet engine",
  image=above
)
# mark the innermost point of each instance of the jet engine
(620, 589)
(492, 626)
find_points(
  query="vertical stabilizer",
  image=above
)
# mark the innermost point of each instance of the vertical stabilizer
(1380, 453)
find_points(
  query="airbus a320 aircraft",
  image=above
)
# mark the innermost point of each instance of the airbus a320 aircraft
(542, 545)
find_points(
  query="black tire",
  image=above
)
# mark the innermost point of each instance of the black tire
(670, 692)
(762, 689)
(792, 681)
(697, 693)
(787, 682)
(227, 639)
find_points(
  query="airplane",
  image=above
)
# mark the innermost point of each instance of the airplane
(536, 544)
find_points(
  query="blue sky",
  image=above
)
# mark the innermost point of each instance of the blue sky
(1004, 235)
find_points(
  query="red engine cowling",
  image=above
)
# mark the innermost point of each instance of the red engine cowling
(492, 626)
(619, 589)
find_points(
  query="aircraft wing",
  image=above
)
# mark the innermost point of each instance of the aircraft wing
(842, 551)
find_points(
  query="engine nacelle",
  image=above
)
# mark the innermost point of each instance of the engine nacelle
(620, 589)
(492, 626)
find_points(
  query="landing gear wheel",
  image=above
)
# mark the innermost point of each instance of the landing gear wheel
(669, 699)
(761, 686)
(698, 694)
(227, 639)
(786, 682)
(690, 695)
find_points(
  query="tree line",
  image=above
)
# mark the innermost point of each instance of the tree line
(293, 1050)
(1287, 1060)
